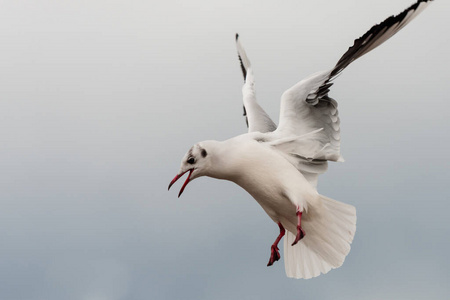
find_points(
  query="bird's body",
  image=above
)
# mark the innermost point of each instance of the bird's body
(250, 164)
(279, 165)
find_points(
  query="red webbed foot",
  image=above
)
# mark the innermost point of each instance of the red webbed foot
(274, 253)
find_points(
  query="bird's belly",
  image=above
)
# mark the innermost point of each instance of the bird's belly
(273, 182)
(274, 200)
(276, 206)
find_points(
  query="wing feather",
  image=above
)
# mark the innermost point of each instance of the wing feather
(306, 106)
(257, 119)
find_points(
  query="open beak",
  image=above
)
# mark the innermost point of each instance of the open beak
(184, 184)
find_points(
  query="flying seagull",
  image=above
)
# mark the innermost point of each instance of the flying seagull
(279, 165)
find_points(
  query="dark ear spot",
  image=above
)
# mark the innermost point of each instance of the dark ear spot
(204, 153)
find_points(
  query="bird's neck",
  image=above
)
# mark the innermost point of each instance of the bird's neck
(224, 160)
(237, 159)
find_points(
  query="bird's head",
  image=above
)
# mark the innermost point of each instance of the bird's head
(196, 161)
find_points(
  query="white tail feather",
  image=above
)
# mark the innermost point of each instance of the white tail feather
(329, 231)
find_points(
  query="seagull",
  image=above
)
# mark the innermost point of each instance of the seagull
(279, 165)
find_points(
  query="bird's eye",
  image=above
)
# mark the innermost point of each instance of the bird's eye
(191, 160)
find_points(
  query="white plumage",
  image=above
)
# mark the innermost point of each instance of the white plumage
(279, 166)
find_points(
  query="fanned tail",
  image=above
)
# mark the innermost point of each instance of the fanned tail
(329, 230)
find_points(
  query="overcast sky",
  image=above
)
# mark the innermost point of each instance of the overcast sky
(99, 101)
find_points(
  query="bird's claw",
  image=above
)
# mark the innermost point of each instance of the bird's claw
(274, 255)
(299, 236)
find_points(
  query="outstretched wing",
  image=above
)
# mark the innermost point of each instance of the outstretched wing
(257, 119)
(306, 106)
(377, 35)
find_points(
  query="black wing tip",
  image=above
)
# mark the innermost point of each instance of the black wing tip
(352, 53)
(415, 5)
(244, 71)
(348, 58)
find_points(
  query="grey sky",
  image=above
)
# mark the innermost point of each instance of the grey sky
(101, 99)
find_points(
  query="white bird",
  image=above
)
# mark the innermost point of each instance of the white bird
(279, 165)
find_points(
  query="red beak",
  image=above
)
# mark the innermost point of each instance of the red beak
(184, 184)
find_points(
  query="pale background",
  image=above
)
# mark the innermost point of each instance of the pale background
(101, 99)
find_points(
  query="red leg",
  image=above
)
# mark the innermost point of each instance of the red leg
(300, 232)
(274, 253)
